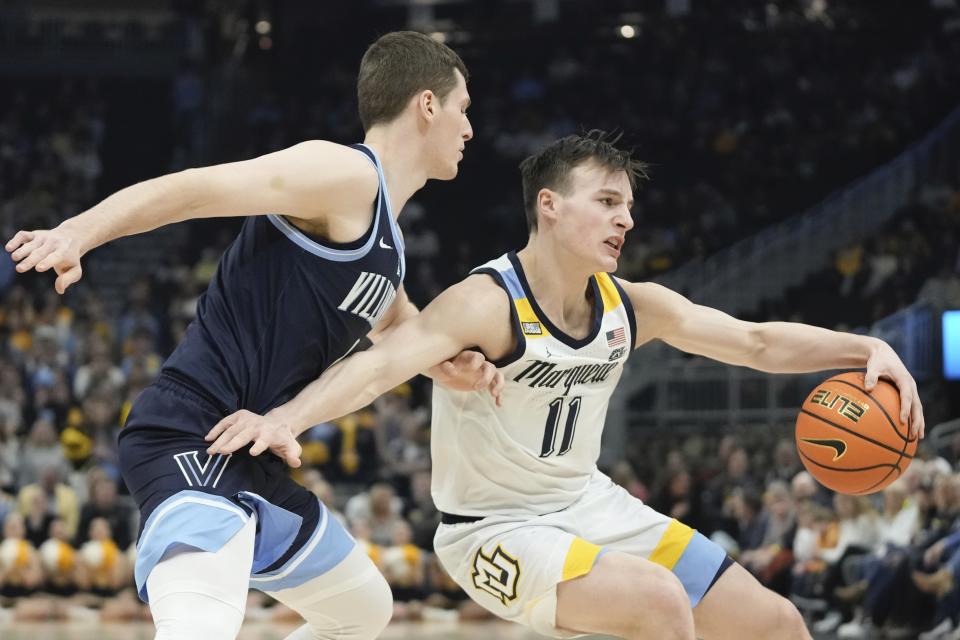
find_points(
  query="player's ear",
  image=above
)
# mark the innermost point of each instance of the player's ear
(547, 204)
(427, 104)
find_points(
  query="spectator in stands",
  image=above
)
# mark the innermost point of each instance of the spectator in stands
(59, 560)
(105, 505)
(61, 499)
(402, 564)
(40, 452)
(20, 570)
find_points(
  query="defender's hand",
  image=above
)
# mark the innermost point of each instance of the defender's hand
(56, 249)
(469, 371)
(243, 427)
(885, 363)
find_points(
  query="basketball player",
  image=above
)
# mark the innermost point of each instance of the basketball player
(531, 529)
(297, 290)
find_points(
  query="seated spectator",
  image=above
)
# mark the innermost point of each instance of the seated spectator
(61, 499)
(402, 564)
(103, 568)
(20, 570)
(59, 560)
(38, 518)
(380, 508)
(105, 504)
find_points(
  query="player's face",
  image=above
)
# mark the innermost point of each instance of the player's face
(595, 215)
(449, 131)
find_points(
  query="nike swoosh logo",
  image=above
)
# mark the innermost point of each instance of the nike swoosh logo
(837, 445)
(384, 245)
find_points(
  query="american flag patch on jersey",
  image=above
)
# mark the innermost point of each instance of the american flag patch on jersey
(616, 337)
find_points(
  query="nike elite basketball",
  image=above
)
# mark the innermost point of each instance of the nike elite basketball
(851, 439)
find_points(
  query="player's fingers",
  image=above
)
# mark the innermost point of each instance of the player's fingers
(871, 376)
(67, 278)
(241, 439)
(485, 376)
(229, 434)
(42, 259)
(448, 368)
(916, 418)
(24, 253)
(18, 239)
(906, 400)
(259, 446)
(469, 360)
(293, 454)
(496, 388)
(221, 426)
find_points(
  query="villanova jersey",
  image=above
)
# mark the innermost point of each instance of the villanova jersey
(282, 307)
(535, 454)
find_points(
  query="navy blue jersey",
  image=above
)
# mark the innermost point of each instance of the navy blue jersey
(282, 308)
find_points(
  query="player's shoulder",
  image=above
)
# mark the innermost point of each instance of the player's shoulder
(654, 301)
(341, 158)
(479, 293)
(643, 292)
(343, 178)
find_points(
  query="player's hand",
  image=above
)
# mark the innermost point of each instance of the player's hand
(885, 363)
(243, 427)
(469, 371)
(45, 249)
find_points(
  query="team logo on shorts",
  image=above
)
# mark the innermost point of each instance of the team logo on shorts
(198, 474)
(497, 574)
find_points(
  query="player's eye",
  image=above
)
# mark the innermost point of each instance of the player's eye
(607, 201)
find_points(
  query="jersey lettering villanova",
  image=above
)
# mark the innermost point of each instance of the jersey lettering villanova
(283, 307)
(535, 453)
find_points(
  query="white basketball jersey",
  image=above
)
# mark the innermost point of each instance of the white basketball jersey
(535, 453)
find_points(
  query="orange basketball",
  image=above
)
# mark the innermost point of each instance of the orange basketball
(851, 439)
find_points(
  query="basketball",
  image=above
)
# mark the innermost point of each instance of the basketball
(851, 439)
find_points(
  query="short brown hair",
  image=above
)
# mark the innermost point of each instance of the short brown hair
(551, 168)
(398, 66)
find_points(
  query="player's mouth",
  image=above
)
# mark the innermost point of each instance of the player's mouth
(615, 243)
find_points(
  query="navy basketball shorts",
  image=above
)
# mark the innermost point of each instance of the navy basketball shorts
(188, 499)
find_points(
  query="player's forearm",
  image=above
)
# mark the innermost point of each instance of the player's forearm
(789, 347)
(136, 209)
(342, 389)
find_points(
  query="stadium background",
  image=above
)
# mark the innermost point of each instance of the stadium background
(806, 166)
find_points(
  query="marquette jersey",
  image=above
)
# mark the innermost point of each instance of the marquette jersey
(282, 307)
(535, 454)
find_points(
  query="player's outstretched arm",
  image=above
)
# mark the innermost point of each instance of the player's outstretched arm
(473, 313)
(468, 370)
(775, 347)
(304, 181)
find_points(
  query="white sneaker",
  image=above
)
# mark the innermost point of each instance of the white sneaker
(939, 632)
(856, 630)
(829, 622)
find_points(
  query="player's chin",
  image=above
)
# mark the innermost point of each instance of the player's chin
(608, 264)
(447, 173)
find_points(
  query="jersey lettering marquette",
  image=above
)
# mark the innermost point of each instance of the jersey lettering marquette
(536, 453)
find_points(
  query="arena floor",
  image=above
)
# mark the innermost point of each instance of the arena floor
(268, 631)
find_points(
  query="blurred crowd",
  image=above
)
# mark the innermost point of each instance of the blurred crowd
(748, 112)
(914, 257)
(737, 139)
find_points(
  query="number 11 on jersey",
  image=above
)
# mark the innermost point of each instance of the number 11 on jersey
(553, 421)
